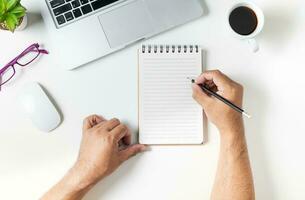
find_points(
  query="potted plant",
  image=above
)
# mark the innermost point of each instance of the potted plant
(12, 15)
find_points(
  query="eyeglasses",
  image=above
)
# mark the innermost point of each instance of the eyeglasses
(23, 59)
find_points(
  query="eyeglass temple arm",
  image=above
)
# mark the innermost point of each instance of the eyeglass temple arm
(41, 51)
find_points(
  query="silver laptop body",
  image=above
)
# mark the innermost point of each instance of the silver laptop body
(85, 30)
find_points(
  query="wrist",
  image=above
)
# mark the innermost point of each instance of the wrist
(87, 176)
(77, 181)
(232, 130)
(232, 136)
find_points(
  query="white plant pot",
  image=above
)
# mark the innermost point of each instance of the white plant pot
(23, 24)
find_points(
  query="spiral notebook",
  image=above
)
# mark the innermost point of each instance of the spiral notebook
(167, 112)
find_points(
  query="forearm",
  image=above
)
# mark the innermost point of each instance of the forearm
(234, 177)
(71, 187)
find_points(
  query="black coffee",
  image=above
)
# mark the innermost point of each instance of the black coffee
(243, 20)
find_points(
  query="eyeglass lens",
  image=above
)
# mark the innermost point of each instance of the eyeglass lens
(29, 57)
(7, 75)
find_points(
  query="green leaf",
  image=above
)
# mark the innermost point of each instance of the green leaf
(11, 4)
(19, 15)
(18, 9)
(2, 6)
(11, 22)
(2, 17)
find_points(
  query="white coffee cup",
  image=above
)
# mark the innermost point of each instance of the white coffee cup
(260, 24)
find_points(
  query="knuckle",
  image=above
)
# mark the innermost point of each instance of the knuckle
(93, 116)
(88, 118)
(110, 138)
(217, 72)
(241, 87)
(124, 127)
(238, 88)
(116, 120)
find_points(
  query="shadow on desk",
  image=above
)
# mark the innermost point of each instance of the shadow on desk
(34, 18)
(257, 100)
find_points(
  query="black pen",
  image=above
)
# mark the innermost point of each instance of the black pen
(217, 96)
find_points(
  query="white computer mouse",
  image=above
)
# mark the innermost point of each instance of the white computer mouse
(38, 107)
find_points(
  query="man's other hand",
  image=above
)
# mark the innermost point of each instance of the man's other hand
(100, 151)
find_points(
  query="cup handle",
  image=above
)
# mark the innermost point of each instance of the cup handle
(253, 45)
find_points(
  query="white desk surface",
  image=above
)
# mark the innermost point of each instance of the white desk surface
(31, 161)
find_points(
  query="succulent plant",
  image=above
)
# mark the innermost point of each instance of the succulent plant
(11, 14)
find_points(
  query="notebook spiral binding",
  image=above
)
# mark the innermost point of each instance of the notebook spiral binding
(170, 48)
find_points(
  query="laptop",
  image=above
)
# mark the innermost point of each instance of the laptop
(86, 30)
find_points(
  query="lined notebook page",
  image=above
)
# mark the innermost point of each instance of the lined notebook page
(167, 112)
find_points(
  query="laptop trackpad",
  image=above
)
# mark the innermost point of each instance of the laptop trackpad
(126, 24)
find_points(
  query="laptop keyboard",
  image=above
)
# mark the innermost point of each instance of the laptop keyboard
(69, 10)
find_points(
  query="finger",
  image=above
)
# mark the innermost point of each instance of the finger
(214, 88)
(109, 125)
(220, 80)
(92, 121)
(201, 97)
(210, 84)
(132, 151)
(127, 138)
(208, 76)
(119, 132)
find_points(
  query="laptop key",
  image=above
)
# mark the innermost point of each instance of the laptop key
(101, 3)
(75, 3)
(86, 9)
(60, 19)
(62, 9)
(77, 13)
(84, 1)
(69, 16)
(56, 3)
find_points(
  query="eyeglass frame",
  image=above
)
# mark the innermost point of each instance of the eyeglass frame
(13, 62)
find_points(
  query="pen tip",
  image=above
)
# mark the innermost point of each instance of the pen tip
(193, 81)
(247, 115)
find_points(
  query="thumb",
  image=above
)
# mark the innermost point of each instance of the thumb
(201, 97)
(132, 151)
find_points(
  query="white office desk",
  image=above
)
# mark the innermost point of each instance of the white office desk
(31, 161)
